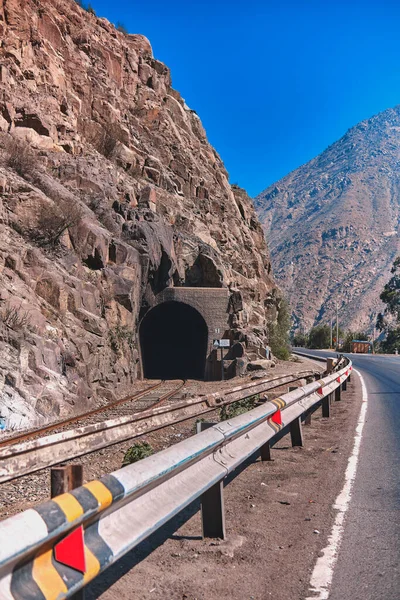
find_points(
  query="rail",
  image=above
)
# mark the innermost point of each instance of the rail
(104, 519)
(19, 459)
(301, 352)
(96, 411)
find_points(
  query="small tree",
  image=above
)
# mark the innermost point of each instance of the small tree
(389, 320)
(91, 10)
(391, 343)
(299, 340)
(391, 297)
(319, 337)
(279, 333)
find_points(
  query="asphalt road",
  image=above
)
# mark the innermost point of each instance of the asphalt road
(368, 566)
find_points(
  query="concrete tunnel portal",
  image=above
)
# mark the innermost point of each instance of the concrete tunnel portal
(173, 340)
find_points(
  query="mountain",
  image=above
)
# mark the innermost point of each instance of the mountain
(109, 193)
(333, 225)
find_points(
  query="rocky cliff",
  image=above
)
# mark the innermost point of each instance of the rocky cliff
(110, 192)
(333, 225)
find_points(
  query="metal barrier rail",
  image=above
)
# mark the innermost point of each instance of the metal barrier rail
(28, 457)
(339, 357)
(55, 549)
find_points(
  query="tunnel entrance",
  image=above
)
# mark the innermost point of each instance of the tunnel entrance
(173, 340)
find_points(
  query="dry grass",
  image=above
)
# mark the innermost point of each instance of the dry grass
(54, 220)
(15, 318)
(19, 157)
(106, 139)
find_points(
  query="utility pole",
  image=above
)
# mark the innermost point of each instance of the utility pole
(373, 333)
(337, 325)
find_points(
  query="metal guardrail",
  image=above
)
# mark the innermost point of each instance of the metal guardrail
(306, 355)
(55, 549)
(30, 456)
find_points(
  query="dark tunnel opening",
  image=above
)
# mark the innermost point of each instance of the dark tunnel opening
(173, 340)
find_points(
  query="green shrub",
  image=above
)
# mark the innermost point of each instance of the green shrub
(137, 452)
(299, 340)
(119, 335)
(238, 408)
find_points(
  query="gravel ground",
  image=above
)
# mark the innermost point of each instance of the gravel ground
(27, 491)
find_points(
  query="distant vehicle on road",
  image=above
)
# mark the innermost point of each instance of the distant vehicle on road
(361, 347)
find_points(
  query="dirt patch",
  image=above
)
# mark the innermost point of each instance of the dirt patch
(278, 517)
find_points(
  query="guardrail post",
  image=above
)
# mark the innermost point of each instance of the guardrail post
(64, 479)
(338, 393)
(212, 502)
(296, 433)
(203, 425)
(213, 512)
(344, 385)
(330, 364)
(307, 420)
(265, 452)
(326, 406)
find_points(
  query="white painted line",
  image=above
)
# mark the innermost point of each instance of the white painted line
(321, 578)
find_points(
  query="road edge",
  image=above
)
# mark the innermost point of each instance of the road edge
(322, 575)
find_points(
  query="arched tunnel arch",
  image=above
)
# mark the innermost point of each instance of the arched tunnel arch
(173, 341)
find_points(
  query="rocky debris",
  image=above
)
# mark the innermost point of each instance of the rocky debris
(332, 225)
(260, 365)
(110, 192)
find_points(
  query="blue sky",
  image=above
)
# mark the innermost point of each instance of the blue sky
(274, 82)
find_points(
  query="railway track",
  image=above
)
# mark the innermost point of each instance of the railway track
(150, 397)
(155, 407)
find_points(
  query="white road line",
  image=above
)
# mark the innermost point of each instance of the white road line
(321, 578)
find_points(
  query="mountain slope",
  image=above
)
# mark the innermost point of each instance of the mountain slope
(333, 225)
(109, 193)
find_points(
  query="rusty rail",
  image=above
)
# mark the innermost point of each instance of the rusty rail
(19, 459)
(35, 432)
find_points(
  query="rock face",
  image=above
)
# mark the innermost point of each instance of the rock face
(332, 225)
(110, 192)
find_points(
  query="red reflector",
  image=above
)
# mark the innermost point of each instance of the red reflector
(277, 417)
(347, 373)
(320, 391)
(71, 551)
(338, 379)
